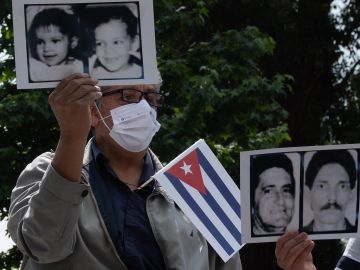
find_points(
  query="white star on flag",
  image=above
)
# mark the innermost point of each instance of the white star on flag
(186, 168)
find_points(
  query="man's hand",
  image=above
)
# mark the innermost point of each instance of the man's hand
(293, 252)
(70, 102)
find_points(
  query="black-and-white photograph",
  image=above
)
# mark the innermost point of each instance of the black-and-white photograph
(313, 189)
(103, 39)
(330, 191)
(272, 193)
(116, 43)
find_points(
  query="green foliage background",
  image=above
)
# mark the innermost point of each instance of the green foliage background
(241, 74)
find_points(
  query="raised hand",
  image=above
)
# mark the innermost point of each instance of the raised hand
(293, 252)
(70, 102)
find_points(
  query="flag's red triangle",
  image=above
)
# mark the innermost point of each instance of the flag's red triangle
(188, 170)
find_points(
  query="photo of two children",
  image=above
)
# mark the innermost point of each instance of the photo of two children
(102, 40)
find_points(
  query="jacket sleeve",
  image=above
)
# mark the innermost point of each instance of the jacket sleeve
(44, 211)
(351, 257)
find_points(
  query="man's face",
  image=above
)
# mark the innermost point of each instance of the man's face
(330, 194)
(116, 99)
(274, 199)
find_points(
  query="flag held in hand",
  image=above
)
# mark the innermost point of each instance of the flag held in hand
(205, 192)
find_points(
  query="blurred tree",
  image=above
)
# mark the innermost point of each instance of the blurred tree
(305, 35)
(342, 119)
(27, 126)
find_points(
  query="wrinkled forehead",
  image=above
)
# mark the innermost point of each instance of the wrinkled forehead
(141, 87)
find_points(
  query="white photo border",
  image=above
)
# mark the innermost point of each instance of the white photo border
(147, 41)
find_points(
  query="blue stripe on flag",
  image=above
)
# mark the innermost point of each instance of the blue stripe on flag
(222, 216)
(205, 164)
(199, 213)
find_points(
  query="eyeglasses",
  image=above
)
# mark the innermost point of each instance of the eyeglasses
(135, 96)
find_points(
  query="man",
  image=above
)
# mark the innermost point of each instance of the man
(81, 207)
(330, 180)
(272, 193)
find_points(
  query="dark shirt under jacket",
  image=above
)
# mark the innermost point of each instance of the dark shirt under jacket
(124, 213)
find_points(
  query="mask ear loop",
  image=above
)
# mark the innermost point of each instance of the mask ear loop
(101, 117)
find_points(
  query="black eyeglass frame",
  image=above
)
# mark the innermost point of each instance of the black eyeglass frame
(142, 94)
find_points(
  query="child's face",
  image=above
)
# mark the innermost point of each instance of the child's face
(52, 46)
(113, 45)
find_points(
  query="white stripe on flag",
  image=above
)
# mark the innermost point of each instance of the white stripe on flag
(212, 216)
(193, 217)
(215, 163)
(221, 200)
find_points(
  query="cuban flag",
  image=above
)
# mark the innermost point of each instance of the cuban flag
(207, 195)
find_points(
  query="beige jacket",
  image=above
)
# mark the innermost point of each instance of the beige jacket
(57, 225)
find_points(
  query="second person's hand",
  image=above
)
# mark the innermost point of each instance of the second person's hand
(293, 252)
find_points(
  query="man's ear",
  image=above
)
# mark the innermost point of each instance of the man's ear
(95, 117)
(74, 42)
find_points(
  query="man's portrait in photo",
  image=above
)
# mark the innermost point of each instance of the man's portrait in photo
(330, 186)
(272, 193)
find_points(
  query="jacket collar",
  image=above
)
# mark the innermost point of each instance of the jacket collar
(157, 164)
(87, 153)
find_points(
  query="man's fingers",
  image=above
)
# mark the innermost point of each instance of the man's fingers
(311, 246)
(75, 84)
(298, 252)
(72, 82)
(81, 92)
(294, 241)
(72, 87)
(88, 98)
(290, 248)
(307, 251)
(282, 245)
(66, 80)
(284, 239)
(280, 251)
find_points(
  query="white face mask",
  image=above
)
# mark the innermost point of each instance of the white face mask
(134, 125)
